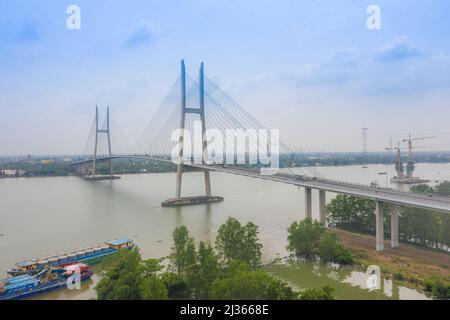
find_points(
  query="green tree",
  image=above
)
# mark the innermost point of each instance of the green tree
(129, 278)
(422, 188)
(425, 227)
(152, 266)
(277, 289)
(204, 272)
(331, 251)
(153, 288)
(351, 213)
(177, 287)
(122, 281)
(183, 251)
(326, 293)
(304, 237)
(251, 252)
(440, 290)
(443, 188)
(417, 226)
(241, 283)
(437, 288)
(238, 242)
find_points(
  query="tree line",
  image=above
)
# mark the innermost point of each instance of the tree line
(231, 270)
(416, 226)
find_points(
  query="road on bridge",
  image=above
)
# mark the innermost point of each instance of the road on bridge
(431, 202)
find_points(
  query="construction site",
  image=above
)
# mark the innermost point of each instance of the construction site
(405, 173)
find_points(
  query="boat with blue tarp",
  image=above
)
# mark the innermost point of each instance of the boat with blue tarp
(34, 266)
(49, 278)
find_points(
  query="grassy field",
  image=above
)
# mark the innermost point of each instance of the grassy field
(408, 264)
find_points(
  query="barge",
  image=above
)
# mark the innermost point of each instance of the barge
(34, 266)
(186, 201)
(47, 279)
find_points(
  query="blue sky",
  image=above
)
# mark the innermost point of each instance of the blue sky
(310, 68)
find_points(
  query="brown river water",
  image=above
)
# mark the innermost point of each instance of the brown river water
(43, 216)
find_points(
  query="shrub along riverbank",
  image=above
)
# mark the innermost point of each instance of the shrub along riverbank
(309, 239)
(232, 268)
(232, 271)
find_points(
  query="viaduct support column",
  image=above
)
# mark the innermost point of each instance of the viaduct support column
(394, 226)
(308, 203)
(379, 212)
(322, 207)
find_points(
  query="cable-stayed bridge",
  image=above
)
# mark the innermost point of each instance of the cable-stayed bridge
(199, 108)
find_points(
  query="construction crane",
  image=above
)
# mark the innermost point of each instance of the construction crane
(398, 163)
(410, 165)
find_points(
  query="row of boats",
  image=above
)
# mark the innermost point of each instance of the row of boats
(36, 276)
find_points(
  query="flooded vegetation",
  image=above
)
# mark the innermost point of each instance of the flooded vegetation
(348, 282)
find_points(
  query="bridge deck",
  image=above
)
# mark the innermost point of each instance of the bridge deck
(432, 202)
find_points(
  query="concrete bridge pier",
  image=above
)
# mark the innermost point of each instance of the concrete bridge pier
(394, 213)
(394, 226)
(308, 203)
(86, 170)
(379, 212)
(77, 169)
(179, 179)
(82, 169)
(322, 207)
(207, 184)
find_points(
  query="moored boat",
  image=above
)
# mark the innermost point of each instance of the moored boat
(34, 266)
(49, 278)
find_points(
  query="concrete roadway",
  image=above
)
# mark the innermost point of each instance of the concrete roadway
(432, 202)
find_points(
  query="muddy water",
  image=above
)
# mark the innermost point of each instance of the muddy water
(43, 216)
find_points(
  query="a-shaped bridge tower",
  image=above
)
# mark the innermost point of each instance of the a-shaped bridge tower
(200, 111)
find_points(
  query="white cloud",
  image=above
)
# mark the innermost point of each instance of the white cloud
(142, 35)
(400, 49)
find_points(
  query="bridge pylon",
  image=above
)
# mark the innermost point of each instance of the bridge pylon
(208, 198)
(107, 132)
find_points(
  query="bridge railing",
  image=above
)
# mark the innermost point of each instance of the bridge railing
(442, 197)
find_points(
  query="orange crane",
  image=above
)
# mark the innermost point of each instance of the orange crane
(410, 165)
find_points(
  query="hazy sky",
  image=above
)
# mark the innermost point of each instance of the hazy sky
(310, 68)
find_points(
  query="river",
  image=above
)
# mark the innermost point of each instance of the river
(43, 216)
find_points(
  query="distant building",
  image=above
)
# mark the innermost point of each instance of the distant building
(47, 161)
(12, 173)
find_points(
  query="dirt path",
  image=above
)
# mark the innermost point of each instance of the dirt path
(407, 260)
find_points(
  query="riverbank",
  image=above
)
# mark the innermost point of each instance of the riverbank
(125, 167)
(132, 206)
(408, 264)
